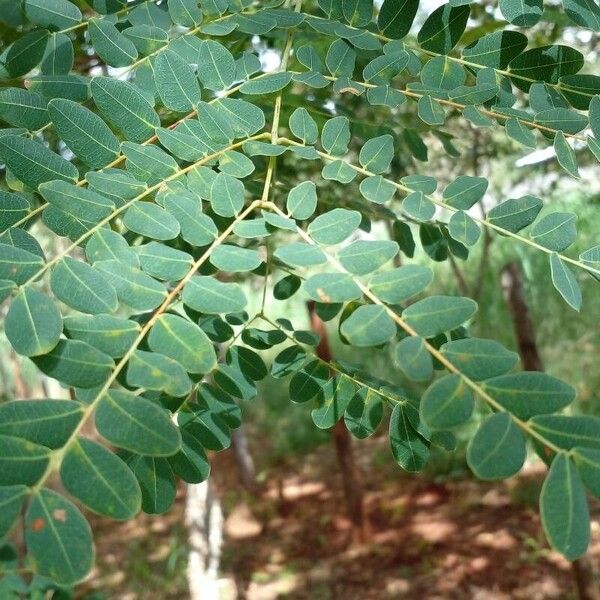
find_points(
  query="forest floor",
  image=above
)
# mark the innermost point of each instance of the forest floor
(428, 537)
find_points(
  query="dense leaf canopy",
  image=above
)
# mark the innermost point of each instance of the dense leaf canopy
(179, 168)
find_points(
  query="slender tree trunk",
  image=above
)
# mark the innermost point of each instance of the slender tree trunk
(512, 284)
(514, 294)
(204, 518)
(244, 459)
(343, 444)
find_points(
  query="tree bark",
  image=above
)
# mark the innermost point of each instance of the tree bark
(244, 459)
(343, 444)
(512, 284)
(204, 518)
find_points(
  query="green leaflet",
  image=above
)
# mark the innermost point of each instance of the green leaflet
(84, 203)
(362, 257)
(23, 54)
(565, 282)
(32, 163)
(190, 463)
(54, 522)
(498, 449)
(147, 38)
(384, 68)
(376, 155)
(395, 17)
(516, 213)
(47, 423)
(334, 226)
(100, 480)
(565, 155)
(568, 432)
(530, 393)
(82, 287)
(299, 254)
(110, 44)
(176, 82)
(442, 73)
(149, 163)
(448, 402)
(235, 259)
(196, 228)
(18, 265)
(465, 191)
(218, 66)
(163, 262)
(227, 195)
(21, 461)
(555, 231)
(333, 401)
(521, 14)
(332, 287)
(496, 49)
(303, 126)
(357, 12)
(136, 424)
(208, 295)
(247, 362)
(586, 14)
(335, 136)
(13, 207)
(125, 107)
(562, 119)
(11, 501)
(33, 324)
(154, 371)
(73, 87)
(399, 284)
(479, 359)
(545, 63)
(302, 200)
(86, 134)
(437, 314)
(133, 287)
(588, 466)
(157, 483)
(185, 12)
(184, 342)
(443, 28)
(377, 189)
(22, 108)
(364, 413)
(288, 361)
(430, 111)
(268, 84)
(106, 245)
(368, 326)
(409, 448)
(58, 14)
(340, 59)
(463, 229)
(564, 509)
(414, 359)
(308, 381)
(76, 364)
(111, 335)
(151, 221)
(418, 207)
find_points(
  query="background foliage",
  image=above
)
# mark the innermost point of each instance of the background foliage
(194, 186)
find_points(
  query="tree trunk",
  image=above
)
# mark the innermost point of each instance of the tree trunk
(512, 284)
(204, 519)
(343, 444)
(244, 459)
